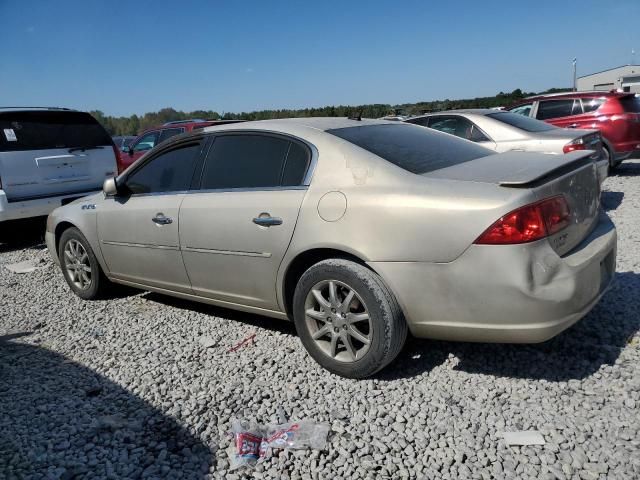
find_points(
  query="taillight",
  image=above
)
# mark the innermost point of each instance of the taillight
(577, 144)
(529, 223)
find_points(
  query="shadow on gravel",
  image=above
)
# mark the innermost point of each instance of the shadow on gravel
(260, 321)
(59, 419)
(19, 234)
(576, 353)
(628, 168)
(611, 200)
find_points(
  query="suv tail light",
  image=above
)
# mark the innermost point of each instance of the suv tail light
(529, 223)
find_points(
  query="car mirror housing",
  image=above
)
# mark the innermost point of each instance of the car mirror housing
(126, 149)
(109, 187)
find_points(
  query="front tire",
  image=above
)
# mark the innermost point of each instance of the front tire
(80, 267)
(347, 318)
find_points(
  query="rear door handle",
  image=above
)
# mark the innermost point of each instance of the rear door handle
(267, 220)
(160, 219)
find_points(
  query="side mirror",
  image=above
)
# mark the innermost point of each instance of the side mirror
(126, 149)
(109, 187)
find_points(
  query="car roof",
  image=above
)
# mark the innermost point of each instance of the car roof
(316, 123)
(37, 109)
(474, 111)
(586, 93)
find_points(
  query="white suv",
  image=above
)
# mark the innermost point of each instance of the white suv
(49, 157)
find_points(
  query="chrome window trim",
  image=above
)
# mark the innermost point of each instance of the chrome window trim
(226, 252)
(218, 190)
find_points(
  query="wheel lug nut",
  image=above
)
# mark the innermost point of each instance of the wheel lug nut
(333, 310)
(335, 329)
(329, 319)
(344, 326)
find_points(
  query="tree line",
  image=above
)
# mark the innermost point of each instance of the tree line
(135, 124)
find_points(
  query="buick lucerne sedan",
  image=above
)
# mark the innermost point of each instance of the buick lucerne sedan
(359, 231)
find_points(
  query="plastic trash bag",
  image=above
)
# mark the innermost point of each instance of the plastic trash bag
(245, 448)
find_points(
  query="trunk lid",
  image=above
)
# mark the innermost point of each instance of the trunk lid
(573, 175)
(50, 153)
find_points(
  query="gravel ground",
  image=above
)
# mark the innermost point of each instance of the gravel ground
(125, 388)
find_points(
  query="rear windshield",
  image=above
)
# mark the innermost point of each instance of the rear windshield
(416, 149)
(527, 124)
(40, 130)
(631, 103)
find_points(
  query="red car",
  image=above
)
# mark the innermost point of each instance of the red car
(615, 114)
(153, 136)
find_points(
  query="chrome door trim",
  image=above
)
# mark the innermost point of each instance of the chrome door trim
(139, 245)
(226, 252)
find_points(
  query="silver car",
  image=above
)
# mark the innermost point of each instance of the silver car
(506, 131)
(358, 231)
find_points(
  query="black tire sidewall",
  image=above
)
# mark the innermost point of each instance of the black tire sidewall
(380, 313)
(94, 290)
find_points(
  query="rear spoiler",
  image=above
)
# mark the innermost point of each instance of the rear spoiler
(543, 177)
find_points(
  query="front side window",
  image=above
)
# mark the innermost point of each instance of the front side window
(523, 109)
(147, 142)
(47, 129)
(422, 121)
(630, 103)
(412, 148)
(254, 161)
(458, 126)
(548, 109)
(168, 133)
(170, 171)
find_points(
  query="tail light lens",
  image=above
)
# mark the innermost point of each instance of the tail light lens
(577, 144)
(529, 223)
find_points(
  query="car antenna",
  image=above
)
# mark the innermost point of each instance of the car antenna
(356, 117)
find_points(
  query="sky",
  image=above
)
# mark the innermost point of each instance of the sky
(232, 56)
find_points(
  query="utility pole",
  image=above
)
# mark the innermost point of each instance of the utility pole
(575, 60)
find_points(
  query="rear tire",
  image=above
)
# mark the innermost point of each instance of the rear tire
(347, 318)
(80, 267)
(610, 158)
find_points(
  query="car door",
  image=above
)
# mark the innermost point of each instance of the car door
(235, 230)
(139, 147)
(138, 228)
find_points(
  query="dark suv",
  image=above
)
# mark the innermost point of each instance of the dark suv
(615, 114)
(153, 136)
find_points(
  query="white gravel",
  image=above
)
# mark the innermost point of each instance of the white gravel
(126, 388)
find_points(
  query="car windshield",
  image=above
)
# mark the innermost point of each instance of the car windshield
(416, 149)
(519, 121)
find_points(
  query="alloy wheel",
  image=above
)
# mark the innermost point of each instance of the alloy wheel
(76, 263)
(338, 321)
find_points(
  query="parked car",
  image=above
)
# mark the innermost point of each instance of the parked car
(615, 114)
(154, 136)
(357, 230)
(49, 157)
(123, 141)
(507, 131)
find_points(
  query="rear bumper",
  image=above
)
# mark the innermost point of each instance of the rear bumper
(511, 294)
(33, 208)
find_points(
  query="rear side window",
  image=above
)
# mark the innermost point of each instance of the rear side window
(168, 172)
(168, 133)
(548, 109)
(523, 109)
(458, 126)
(415, 149)
(146, 142)
(630, 104)
(527, 124)
(254, 161)
(591, 104)
(45, 130)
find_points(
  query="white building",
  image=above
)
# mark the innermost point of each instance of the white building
(626, 78)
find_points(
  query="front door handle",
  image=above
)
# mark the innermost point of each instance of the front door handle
(266, 220)
(160, 219)
(573, 125)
